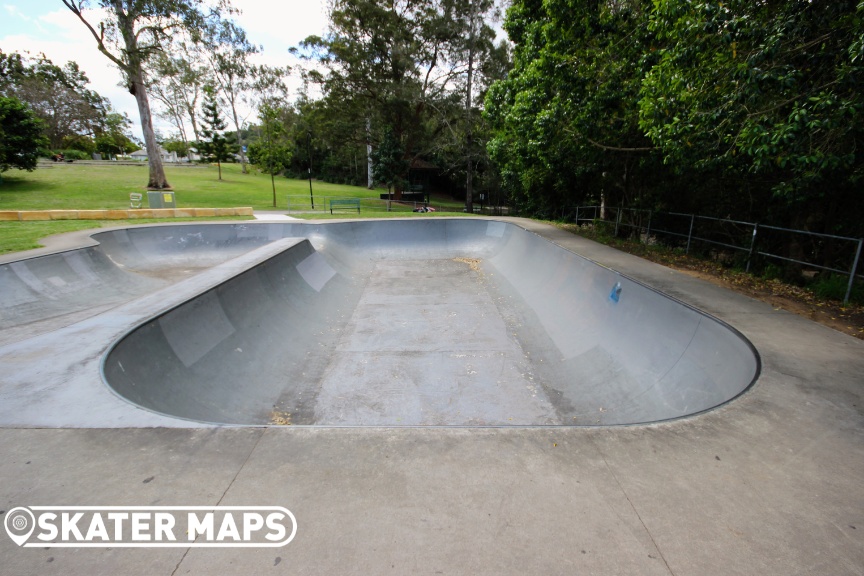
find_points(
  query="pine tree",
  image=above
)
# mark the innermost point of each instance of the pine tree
(389, 164)
(214, 145)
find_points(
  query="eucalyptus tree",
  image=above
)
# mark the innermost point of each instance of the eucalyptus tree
(228, 52)
(176, 80)
(473, 49)
(130, 33)
(394, 67)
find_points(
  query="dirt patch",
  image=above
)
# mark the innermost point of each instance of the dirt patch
(278, 418)
(472, 263)
(848, 319)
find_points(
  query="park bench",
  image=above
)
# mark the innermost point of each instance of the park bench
(345, 204)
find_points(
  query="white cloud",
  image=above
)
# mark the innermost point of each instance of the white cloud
(62, 37)
(280, 26)
(14, 12)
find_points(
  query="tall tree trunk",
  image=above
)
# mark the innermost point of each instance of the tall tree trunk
(192, 110)
(134, 70)
(157, 179)
(469, 133)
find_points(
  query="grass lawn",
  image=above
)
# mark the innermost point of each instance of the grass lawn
(83, 186)
(17, 236)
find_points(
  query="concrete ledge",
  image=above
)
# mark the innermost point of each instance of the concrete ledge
(91, 214)
(34, 215)
(64, 214)
(131, 214)
(234, 212)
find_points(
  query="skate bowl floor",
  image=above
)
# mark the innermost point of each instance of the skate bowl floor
(438, 322)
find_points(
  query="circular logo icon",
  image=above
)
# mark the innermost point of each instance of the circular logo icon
(19, 523)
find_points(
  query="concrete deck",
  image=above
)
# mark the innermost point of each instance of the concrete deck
(770, 483)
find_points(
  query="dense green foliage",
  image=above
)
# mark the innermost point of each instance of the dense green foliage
(389, 163)
(749, 109)
(400, 69)
(21, 137)
(73, 116)
(58, 96)
(272, 150)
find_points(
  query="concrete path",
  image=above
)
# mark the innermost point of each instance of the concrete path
(768, 484)
(272, 216)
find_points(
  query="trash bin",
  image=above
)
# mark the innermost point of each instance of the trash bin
(161, 199)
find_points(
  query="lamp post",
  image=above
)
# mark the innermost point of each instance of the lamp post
(309, 150)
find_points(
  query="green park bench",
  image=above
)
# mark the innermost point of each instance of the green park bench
(345, 204)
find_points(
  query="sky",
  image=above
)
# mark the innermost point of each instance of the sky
(47, 26)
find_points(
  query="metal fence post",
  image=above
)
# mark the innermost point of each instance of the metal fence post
(854, 271)
(617, 221)
(690, 234)
(648, 230)
(752, 246)
(577, 217)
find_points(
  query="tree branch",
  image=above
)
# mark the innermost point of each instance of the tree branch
(790, 100)
(100, 37)
(618, 148)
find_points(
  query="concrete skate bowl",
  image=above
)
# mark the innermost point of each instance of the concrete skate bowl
(439, 322)
(45, 293)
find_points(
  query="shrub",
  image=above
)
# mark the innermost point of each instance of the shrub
(71, 154)
(834, 286)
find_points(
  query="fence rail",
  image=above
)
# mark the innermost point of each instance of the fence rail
(750, 238)
(305, 204)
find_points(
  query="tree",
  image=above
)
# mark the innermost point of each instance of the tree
(21, 138)
(12, 68)
(131, 33)
(178, 77)
(773, 87)
(394, 65)
(180, 146)
(389, 163)
(214, 145)
(272, 152)
(229, 52)
(115, 139)
(566, 119)
(71, 113)
(475, 46)
(749, 109)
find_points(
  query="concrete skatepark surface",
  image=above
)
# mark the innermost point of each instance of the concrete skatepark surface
(768, 483)
(437, 322)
